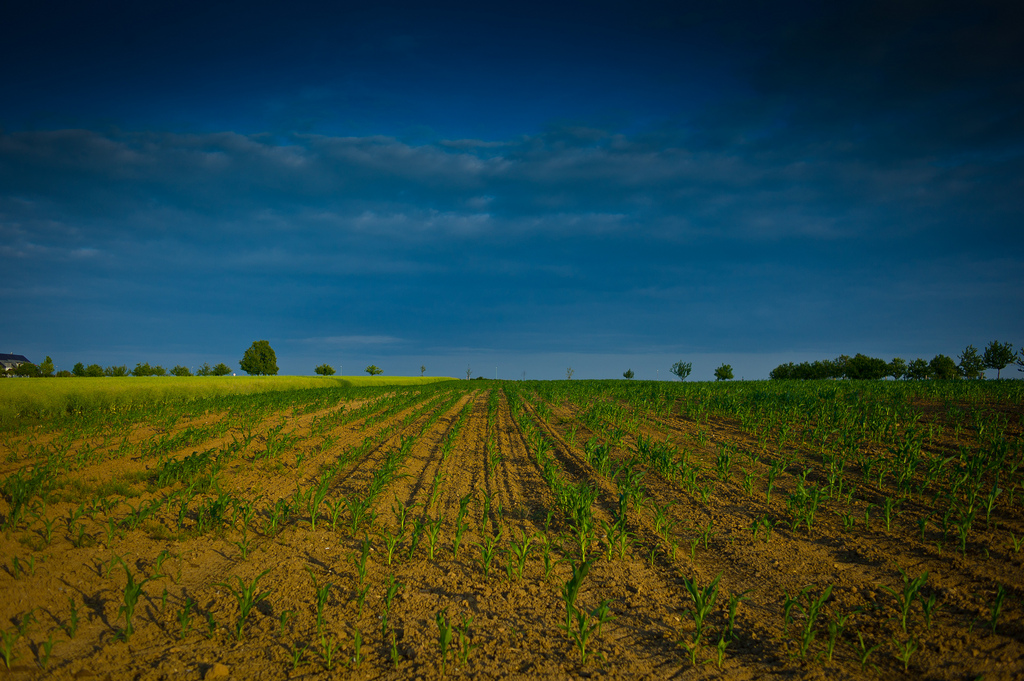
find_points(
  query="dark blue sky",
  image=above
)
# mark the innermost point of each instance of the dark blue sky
(597, 185)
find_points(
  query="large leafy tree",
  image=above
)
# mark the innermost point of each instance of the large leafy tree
(373, 370)
(325, 370)
(723, 373)
(918, 370)
(259, 360)
(971, 363)
(682, 369)
(943, 368)
(997, 356)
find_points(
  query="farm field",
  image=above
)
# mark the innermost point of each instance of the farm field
(521, 529)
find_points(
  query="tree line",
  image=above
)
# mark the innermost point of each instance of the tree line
(971, 364)
(45, 369)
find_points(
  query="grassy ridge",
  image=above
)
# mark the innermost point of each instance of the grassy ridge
(31, 398)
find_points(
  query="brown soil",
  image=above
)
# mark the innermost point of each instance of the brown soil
(514, 626)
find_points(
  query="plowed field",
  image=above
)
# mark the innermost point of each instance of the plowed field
(524, 529)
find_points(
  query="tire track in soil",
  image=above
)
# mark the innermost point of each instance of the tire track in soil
(648, 598)
(425, 457)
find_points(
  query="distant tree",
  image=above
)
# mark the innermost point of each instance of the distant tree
(1020, 360)
(373, 370)
(918, 370)
(628, 374)
(897, 368)
(423, 369)
(998, 356)
(204, 370)
(179, 370)
(723, 373)
(325, 370)
(159, 371)
(142, 369)
(63, 373)
(78, 370)
(782, 372)
(46, 367)
(121, 370)
(221, 369)
(943, 368)
(469, 372)
(682, 369)
(864, 368)
(94, 371)
(28, 369)
(568, 373)
(971, 364)
(259, 360)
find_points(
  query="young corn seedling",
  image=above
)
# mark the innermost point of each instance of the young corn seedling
(357, 646)
(703, 602)
(185, 618)
(835, 630)
(72, 626)
(390, 544)
(417, 535)
(47, 649)
(571, 589)
(132, 591)
(364, 555)
(460, 529)
(488, 549)
(322, 594)
(296, 652)
(888, 510)
(905, 650)
(433, 531)
(734, 602)
(465, 647)
(211, 624)
(997, 607)
(520, 551)
(583, 626)
(444, 628)
(328, 648)
(401, 512)
(807, 634)
(389, 596)
(907, 596)
(247, 597)
(7, 641)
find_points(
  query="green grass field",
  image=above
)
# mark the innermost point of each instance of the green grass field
(34, 398)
